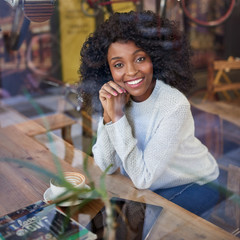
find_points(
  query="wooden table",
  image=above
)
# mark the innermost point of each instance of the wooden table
(20, 187)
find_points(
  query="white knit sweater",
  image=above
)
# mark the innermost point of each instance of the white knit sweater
(154, 143)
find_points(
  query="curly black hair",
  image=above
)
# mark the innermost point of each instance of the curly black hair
(160, 38)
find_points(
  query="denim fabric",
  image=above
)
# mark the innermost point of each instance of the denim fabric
(196, 198)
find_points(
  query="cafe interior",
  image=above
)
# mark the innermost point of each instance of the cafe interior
(45, 130)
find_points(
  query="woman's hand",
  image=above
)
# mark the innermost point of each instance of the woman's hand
(113, 99)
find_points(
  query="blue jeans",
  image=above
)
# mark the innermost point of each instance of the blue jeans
(198, 199)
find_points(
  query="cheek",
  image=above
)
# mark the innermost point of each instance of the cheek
(116, 75)
(147, 68)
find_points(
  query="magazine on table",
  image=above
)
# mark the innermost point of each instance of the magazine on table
(41, 221)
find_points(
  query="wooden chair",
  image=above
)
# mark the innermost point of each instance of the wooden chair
(214, 84)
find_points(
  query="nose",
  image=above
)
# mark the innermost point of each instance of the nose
(131, 70)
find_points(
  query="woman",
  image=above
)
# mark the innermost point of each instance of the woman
(141, 64)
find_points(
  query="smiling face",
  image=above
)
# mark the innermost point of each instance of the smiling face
(132, 69)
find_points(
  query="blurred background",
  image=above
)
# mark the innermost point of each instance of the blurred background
(40, 44)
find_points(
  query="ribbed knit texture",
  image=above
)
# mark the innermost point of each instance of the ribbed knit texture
(154, 143)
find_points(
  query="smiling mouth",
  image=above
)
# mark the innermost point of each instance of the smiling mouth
(134, 82)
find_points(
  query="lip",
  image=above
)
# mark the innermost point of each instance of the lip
(134, 85)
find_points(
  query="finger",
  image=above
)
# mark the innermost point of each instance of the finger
(107, 88)
(103, 94)
(116, 87)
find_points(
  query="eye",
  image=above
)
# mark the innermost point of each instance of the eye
(118, 65)
(140, 59)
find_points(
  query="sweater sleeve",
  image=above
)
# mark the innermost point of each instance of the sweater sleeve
(103, 150)
(146, 166)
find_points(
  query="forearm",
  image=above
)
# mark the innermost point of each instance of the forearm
(139, 164)
(103, 151)
(146, 164)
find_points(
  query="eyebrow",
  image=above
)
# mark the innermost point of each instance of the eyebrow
(138, 50)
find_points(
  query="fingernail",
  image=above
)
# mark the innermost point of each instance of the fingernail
(115, 94)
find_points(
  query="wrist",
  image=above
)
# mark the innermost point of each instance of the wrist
(116, 117)
(106, 118)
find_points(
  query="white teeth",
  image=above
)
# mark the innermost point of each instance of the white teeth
(134, 82)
